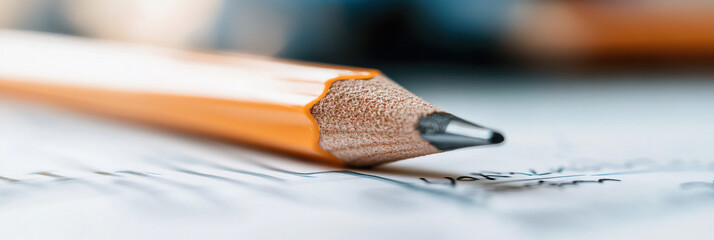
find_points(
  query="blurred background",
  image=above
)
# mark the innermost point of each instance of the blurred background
(494, 39)
(569, 82)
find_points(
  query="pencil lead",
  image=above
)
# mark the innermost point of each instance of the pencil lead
(448, 132)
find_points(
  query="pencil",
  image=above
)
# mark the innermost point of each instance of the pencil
(348, 116)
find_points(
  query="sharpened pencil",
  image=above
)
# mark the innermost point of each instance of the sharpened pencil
(342, 115)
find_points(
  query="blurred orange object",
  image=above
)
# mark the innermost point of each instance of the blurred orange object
(632, 29)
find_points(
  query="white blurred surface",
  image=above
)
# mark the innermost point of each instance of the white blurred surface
(601, 160)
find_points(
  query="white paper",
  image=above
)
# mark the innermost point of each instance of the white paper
(589, 162)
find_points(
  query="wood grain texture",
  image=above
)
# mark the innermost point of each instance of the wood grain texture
(370, 122)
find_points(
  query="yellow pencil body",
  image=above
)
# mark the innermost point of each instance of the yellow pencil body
(260, 101)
